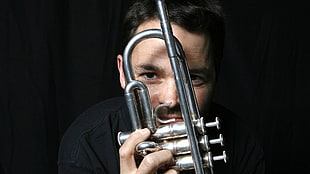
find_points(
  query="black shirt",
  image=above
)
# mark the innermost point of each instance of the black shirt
(90, 145)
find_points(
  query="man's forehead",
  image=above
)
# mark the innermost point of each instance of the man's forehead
(149, 24)
(196, 46)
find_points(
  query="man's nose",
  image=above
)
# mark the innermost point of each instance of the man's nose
(169, 93)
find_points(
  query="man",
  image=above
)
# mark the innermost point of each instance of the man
(90, 144)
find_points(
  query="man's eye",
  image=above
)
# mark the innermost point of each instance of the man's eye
(197, 80)
(149, 76)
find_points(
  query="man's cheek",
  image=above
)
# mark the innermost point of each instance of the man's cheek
(203, 97)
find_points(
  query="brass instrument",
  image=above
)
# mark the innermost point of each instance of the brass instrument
(180, 138)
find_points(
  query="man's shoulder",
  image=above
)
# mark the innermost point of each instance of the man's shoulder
(231, 123)
(224, 114)
(100, 120)
(228, 117)
(98, 113)
(241, 145)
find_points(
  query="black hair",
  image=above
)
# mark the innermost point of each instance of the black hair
(196, 16)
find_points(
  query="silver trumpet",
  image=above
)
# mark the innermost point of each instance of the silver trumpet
(187, 140)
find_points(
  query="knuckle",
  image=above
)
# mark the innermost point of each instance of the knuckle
(124, 152)
(150, 161)
(168, 154)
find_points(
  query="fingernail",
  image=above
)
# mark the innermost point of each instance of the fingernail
(145, 131)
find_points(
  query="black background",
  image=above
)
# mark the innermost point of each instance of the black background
(58, 57)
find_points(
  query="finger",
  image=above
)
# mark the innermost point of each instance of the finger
(152, 162)
(168, 171)
(171, 171)
(127, 150)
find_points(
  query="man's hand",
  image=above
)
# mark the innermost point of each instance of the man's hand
(150, 163)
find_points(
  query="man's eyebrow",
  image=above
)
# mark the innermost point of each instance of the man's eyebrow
(147, 67)
(203, 70)
(151, 67)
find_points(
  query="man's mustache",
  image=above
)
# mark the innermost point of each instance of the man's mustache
(165, 109)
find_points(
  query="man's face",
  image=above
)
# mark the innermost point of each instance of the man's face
(151, 65)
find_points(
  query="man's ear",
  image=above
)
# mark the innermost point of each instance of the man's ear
(122, 79)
